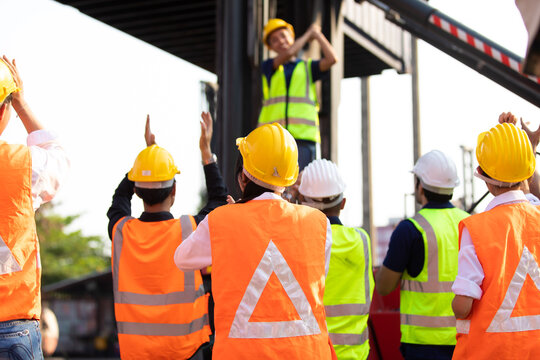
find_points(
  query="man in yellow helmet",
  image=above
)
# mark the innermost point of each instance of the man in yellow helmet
(349, 284)
(422, 256)
(30, 176)
(288, 84)
(497, 300)
(161, 312)
(269, 258)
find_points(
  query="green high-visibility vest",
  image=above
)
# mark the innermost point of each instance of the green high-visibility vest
(426, 300)
(295, 109)
(348, 292)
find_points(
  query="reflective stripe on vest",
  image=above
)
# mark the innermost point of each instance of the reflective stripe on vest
(8, 264)
(189, 295)
(295, 107)
(349, 339)
(502, 321)
(273, 262)
(353, 309)
(161, 329)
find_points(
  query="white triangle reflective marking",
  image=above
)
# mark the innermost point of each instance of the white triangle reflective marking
(502, 322)
(273, 261)
(8, 264)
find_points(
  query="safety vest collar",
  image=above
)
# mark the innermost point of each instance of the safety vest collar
(273, 262)
(277, 83)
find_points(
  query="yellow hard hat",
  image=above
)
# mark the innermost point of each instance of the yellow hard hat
(153, 168)
(274, 24)
(270, 156)
(505, 153)
(7, 84)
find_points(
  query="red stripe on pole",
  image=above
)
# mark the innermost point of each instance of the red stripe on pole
(470, 39)
(436, 20)
(487, 50)
(453, 30)
(505, 60)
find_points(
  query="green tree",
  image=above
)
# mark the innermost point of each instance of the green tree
(66, 254)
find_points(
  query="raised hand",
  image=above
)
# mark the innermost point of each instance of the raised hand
(534, 136)
(148, 136)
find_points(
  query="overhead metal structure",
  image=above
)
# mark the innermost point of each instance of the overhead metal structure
(463, 44)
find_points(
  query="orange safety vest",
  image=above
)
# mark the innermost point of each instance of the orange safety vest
(161, 312)
(505, 322)
(268, 274)
(20, 268)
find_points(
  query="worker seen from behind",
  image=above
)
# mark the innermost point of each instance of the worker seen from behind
(161, 312)
(30, 176)
(349, 284)
(497, 299)
(288, 84)
(422, 255)
(269, 258)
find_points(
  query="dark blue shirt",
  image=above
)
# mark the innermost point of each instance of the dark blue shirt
(406, 248)
(288, 67)
(334, 220)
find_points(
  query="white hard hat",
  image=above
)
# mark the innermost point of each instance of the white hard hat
(322, 186)
(437, 172)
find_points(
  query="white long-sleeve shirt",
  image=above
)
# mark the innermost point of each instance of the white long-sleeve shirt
(470, 272)
(50, 165)
(195, 252)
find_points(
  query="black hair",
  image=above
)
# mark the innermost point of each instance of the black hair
(251, 190)
(431, 196)
(153, 196)
(441, 198)
(333, 209)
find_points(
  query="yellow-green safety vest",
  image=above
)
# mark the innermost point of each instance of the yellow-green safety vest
(426, 300)
(295, 109)
(348, 292)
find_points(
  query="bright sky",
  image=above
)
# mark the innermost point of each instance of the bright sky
(94, 85)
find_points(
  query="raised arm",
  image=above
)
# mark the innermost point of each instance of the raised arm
(329, 54)
(121, 200)
(29, 120)
(534, 180)
(217, 191)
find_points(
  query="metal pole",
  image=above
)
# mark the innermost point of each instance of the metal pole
(417, 151)
(367, 205)
(234, 84)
